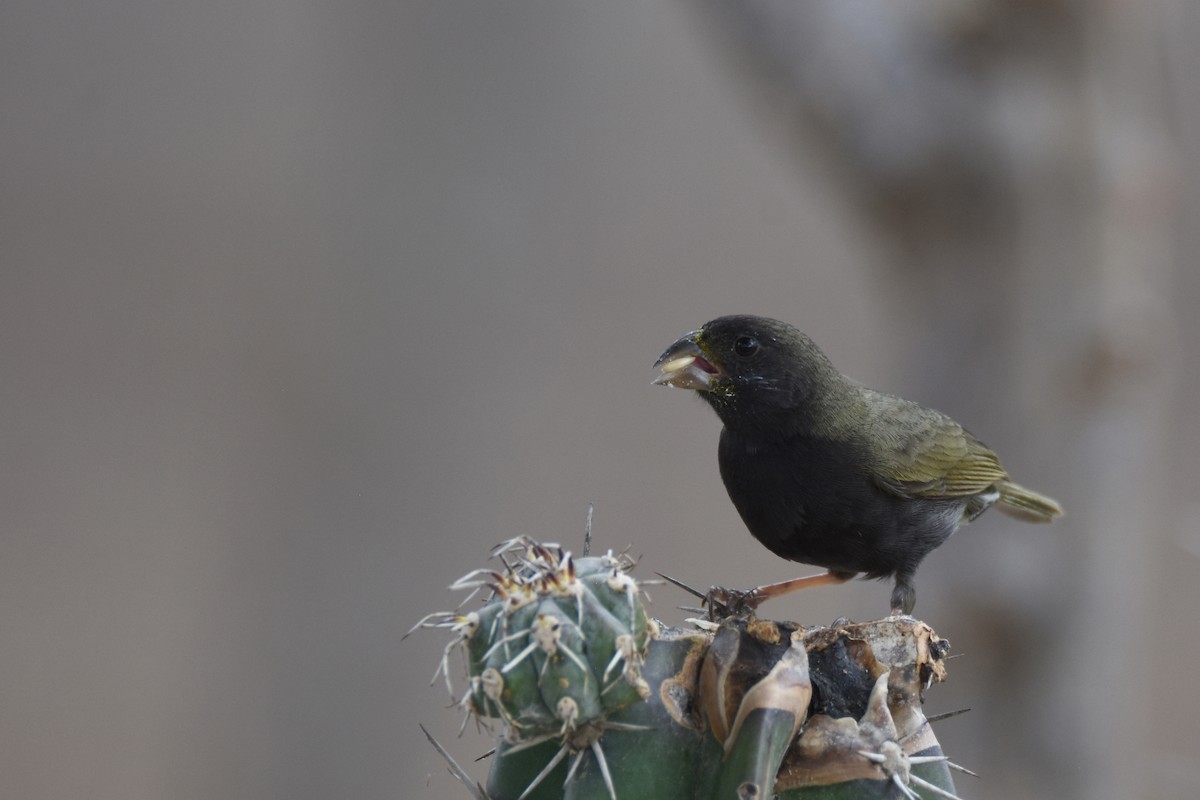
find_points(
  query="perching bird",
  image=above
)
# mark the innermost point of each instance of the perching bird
(828, 472)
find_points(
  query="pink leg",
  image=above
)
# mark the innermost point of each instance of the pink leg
(735, 600)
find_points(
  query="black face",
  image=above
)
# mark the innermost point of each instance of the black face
(746, 349)
(761, 364)
(756, 373)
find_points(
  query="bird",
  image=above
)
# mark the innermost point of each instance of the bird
(825, 471)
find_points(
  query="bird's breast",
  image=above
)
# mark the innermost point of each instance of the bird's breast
(778, 486)
(813, 500)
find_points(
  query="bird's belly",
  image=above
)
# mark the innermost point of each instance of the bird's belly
(816, 504)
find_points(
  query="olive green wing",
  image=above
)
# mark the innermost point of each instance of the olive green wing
(923, 453)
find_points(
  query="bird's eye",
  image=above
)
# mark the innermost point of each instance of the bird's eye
(745, 346)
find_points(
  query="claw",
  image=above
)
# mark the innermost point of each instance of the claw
(722, 602)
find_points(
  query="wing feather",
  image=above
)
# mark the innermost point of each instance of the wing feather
(926, 454)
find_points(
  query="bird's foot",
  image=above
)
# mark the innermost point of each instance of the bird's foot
(904, 596)
(719, 602)
(722, 602)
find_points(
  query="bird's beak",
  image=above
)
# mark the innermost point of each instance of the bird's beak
(684, 366)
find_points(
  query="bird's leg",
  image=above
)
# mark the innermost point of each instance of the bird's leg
(830, 578)
(904, 596)
(734, 600)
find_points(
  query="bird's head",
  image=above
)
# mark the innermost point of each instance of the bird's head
(752, 370)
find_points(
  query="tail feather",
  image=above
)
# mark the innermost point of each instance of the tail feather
(1025, 504)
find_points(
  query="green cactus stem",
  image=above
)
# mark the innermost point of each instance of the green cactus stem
(594, 699)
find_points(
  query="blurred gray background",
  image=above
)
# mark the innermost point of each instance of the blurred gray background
(304, 305)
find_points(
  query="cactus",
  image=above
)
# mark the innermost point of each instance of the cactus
(597, 700)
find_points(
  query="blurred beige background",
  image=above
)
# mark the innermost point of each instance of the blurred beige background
(303, 306)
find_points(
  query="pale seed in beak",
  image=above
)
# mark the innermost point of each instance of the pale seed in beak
(676, 364)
